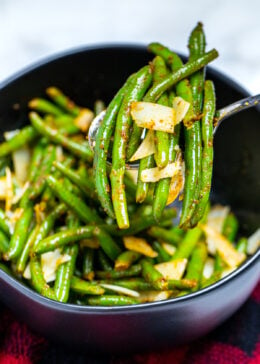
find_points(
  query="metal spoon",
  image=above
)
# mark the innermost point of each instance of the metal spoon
(220, 115)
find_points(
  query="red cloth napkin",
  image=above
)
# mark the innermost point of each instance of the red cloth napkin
(237, 341)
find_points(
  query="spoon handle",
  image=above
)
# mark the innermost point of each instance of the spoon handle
(234, 108)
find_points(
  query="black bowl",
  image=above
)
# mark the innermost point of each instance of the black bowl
(97, 72)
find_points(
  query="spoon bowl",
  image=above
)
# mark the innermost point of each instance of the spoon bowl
(92, 73)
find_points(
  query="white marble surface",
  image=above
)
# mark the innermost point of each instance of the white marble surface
(33, 29)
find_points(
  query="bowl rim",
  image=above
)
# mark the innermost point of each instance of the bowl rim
(73, 308)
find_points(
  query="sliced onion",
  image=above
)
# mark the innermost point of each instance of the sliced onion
(181, 107)
(227, 252)
(21, 160)
(9, 190)
(253, 242)
(169, 248)
(84, 119)
(119, 289)
(208, 268)
(215, 219)
(172, 270)
(217, 216)
(146, 148)
(139, 245)
(155, 174)
(227, 271)
(50, 262)
(2, 188)
(154, 116)
(177, 183)
(10, 134)
(153, 296)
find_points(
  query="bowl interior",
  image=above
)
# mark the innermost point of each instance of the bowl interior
(91, 73)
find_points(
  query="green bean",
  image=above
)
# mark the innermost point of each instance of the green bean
(242, 245)
(88, 264)
(84, 184)
(152, 275)
(4, 242)
(45, 168)
(130, 185)
(108, 245)
(136, 284)
(81, 151)
(135, 92)
(24, 136)
(139, 223)
(99, 106)
(182, 283)
(5, 162)
(63, 238)
(110, 300)
(66, 270)
(163, 186)
(163, 256)
(188, 243)
(161, 155)
(133, 271)
(6, 269)
(211, 280)
(103, 137)
(186, 70)
(169, 236)
(4, 225)
(20, 234)
(191, 156)
(48, 195)
(197, 45)
(64, 274)
(170, 57)
(75, 234)
(38, 281)
(45, 106)
(61, 121)
(63, 101)
(134, 140)
(230, 227)
(48, 224)
(142, 187)
(207, 151)
(85, 213)
(219, 265)
(22, 260)
(126, 259)
(197, 262)
(37, 156)
(192, 133)
(90, 288)
(103, 261)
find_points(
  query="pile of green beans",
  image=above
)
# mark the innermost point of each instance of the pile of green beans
(158, 82)
(75, 203)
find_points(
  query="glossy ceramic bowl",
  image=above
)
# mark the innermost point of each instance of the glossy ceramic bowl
(97, 72)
